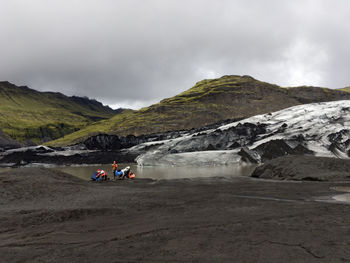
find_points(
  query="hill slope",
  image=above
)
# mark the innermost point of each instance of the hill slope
(209, 101)
(27, 114)
(347, 89)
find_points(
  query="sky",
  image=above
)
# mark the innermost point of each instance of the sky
(133, 53)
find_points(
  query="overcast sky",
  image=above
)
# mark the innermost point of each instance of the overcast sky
(133, 53)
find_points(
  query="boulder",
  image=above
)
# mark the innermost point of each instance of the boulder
(308, 168)
(276, 148)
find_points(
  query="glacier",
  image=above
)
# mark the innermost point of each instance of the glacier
(321, 129)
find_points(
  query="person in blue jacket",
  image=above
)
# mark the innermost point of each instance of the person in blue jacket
(125, 173)
(118, 174)
(99, 175)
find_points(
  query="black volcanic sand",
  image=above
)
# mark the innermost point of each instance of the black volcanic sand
(311, 168)
(49, 216)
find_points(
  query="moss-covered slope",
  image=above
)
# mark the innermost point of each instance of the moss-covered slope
(347, 89)
(209, 101)
(27, 114)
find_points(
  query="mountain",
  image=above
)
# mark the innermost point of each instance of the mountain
(321, 129)
(7, 143)
(347, 89)
(209, 101)
(317, 129)
(27, 114)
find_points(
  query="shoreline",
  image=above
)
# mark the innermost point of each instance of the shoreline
(47, 215)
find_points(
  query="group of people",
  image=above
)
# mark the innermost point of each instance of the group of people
(101, 175)
(122, 174)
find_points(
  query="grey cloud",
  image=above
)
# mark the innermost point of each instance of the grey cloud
(136, 52)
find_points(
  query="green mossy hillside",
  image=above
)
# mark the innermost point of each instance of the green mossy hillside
(347, 89)
(27, 114)
(208, 102)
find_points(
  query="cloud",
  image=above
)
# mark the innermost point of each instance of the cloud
(136, 52)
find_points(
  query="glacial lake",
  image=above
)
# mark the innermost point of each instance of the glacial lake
(179, 172)
(161, 172)
(175, 172)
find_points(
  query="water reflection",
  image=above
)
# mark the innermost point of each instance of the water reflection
(342, 197)
(160, 172)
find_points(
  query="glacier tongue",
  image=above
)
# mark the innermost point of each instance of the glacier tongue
(190, 158)
(323, 128)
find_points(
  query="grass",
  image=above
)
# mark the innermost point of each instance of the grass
(207, 102)
(198, 106)
(26, 114)
(347, 89)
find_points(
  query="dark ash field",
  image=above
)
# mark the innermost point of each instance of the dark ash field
(49, 216)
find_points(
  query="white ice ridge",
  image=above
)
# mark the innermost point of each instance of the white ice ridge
(313, 121)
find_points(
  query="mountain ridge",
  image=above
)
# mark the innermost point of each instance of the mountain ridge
(207, 102)
(346, 89)
(28, 114)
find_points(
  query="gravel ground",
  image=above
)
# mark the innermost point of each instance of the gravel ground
(50, 216)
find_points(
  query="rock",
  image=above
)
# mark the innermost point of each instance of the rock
(103, 142)
(106, 142)
(309, 168)
(340, 142)
(234, 145)
(301, 150)
(67, 157)
(8, 143)
(231, 138)
(276, 148)
(210, 147)
(249, 156)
